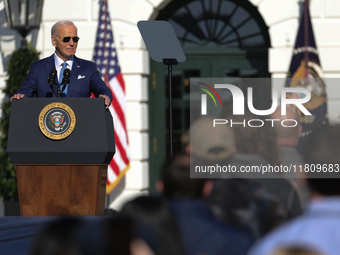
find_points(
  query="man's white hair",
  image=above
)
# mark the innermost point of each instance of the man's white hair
(61, 23)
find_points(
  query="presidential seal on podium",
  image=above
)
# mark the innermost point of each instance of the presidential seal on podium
(57, 121)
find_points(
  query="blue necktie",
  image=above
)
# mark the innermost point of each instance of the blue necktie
(61, 76)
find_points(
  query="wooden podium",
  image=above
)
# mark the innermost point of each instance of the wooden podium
(61, 148)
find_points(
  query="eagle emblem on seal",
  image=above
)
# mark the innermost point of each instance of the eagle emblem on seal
(57, 121)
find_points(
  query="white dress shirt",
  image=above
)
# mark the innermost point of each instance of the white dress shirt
(58, 61)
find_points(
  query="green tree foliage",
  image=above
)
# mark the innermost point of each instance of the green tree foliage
(17, 70)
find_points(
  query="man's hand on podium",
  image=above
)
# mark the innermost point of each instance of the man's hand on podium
(107, 100)
(17, 96)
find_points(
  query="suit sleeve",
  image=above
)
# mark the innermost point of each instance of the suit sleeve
(98, 86)
(29, 87)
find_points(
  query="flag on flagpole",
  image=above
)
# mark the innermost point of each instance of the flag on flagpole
(105, 56)
(305, 71)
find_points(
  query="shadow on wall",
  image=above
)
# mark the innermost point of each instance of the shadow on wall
(116, 192)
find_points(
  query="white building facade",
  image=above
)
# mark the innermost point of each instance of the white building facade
(142, 75)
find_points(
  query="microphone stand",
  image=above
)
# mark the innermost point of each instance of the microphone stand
(58, 91)
(65, 81)
(170, 62)
(51, 81)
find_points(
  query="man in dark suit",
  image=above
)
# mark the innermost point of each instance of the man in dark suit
(85, 77)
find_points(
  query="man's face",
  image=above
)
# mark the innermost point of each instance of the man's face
(65, 50)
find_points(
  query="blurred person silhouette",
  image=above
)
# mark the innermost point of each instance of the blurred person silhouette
(107, 236)
(318, 228)
(237, 201)
(89, 236)
(155, 224)
(296, 251)
(287, 136)
(257, 146)
(57, 238)
(287, 140)
(246, 204)
(202, 232)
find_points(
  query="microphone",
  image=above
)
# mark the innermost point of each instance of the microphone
(51, 78)
(66, 78)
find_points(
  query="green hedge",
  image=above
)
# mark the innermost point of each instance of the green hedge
(17, 70)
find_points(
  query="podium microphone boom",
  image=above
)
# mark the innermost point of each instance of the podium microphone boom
(51, 78)
(66, 79)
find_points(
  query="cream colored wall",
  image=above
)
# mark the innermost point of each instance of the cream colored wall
(280, 16)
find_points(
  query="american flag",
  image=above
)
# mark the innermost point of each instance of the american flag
(105, 56)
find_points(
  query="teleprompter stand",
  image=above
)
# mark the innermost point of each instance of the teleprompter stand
(163, 46)
(64, 177)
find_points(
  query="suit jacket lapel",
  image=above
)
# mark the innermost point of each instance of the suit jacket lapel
(49, 66)
(76, 67)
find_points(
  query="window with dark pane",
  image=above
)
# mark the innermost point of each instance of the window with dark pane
(223, 23)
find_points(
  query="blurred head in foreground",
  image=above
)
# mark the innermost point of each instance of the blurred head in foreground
(251, 138)
(295, 251)
(210, 143)
(57, 237)
(176, 183)
(90, 236)
(155, 224)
